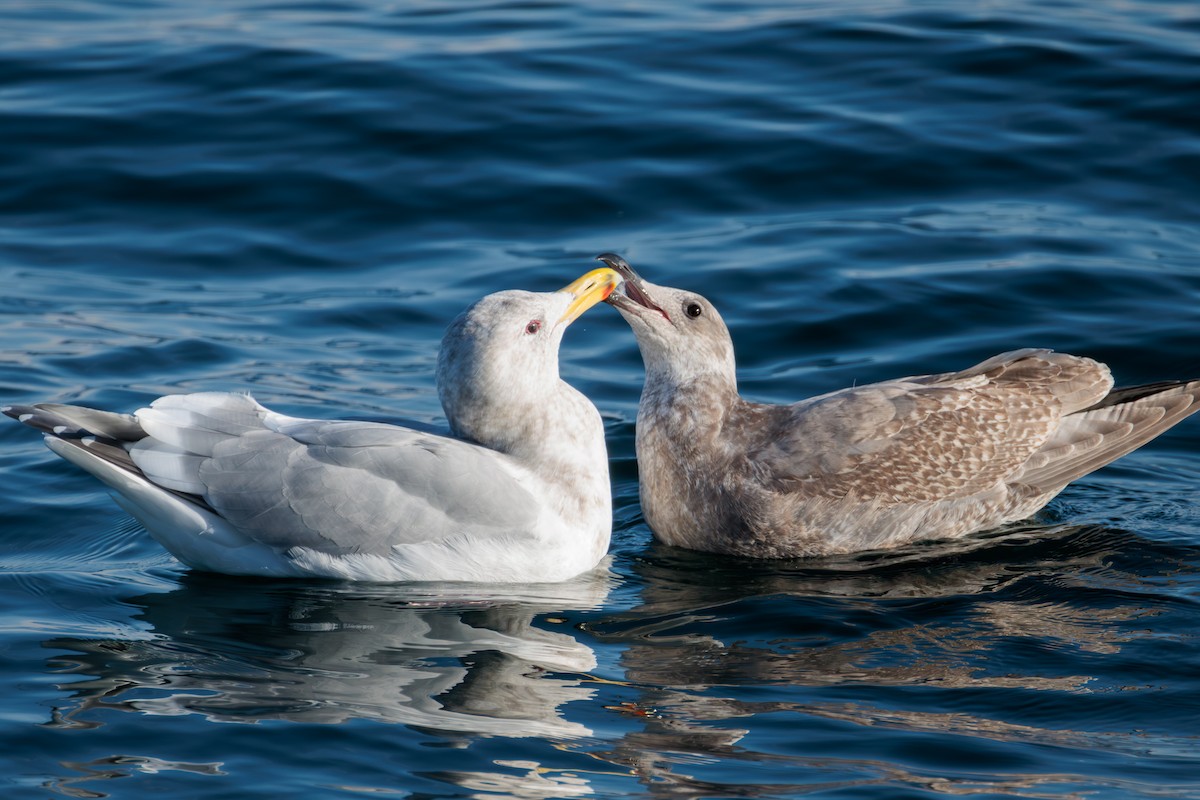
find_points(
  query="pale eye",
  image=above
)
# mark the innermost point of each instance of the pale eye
(534, 326)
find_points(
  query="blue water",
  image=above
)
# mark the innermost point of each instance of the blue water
(294, 198)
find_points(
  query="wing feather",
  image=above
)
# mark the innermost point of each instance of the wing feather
(930, 438)
(199, 422)
(1088, 440)
(353, 498)
(335, 487)
(168, 466)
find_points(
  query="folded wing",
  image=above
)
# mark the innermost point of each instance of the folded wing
(943, 437)
(338, 487)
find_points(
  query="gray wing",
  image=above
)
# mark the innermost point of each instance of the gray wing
(929, 438)
(338, 487)
(347, 487)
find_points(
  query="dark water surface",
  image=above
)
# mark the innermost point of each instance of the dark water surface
(294, 198)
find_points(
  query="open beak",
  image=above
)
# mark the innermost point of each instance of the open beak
(634, 288)
(588, 290)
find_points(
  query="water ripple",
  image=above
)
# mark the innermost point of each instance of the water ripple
(295, 198)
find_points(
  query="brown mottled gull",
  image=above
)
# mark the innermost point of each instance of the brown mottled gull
(873, 466)
(519, 494)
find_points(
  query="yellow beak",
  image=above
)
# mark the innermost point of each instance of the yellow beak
(588, 290)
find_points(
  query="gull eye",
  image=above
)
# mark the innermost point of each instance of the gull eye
(694, 310)
(533, 326)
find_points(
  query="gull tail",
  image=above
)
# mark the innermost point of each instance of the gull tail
(100, 443)
(163, 444)
(102, 434)
(1121, 422)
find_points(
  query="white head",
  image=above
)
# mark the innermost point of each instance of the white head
(497, 368)
(680, 333)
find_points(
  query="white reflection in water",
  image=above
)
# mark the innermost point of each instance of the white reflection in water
(528, 780)
(463, 659)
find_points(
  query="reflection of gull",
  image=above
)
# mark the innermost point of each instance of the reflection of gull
(109, 768)
(696, 593)
(531, 781)
(679, 581)
(720, 646)
(327, 654)
(519, 494)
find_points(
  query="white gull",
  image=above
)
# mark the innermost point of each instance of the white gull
(519, 493)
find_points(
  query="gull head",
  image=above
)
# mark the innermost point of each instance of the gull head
(681, 335)
(497, 369)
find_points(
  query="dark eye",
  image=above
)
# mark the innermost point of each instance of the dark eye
(694, 310)
(534, 326)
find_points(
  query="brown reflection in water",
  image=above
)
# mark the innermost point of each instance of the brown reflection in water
(694, 662)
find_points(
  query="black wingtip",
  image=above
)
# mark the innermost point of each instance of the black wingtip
(23, 414)
(1129, 394)
(44, 419)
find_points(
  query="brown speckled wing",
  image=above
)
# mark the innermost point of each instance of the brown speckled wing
(928, 438)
